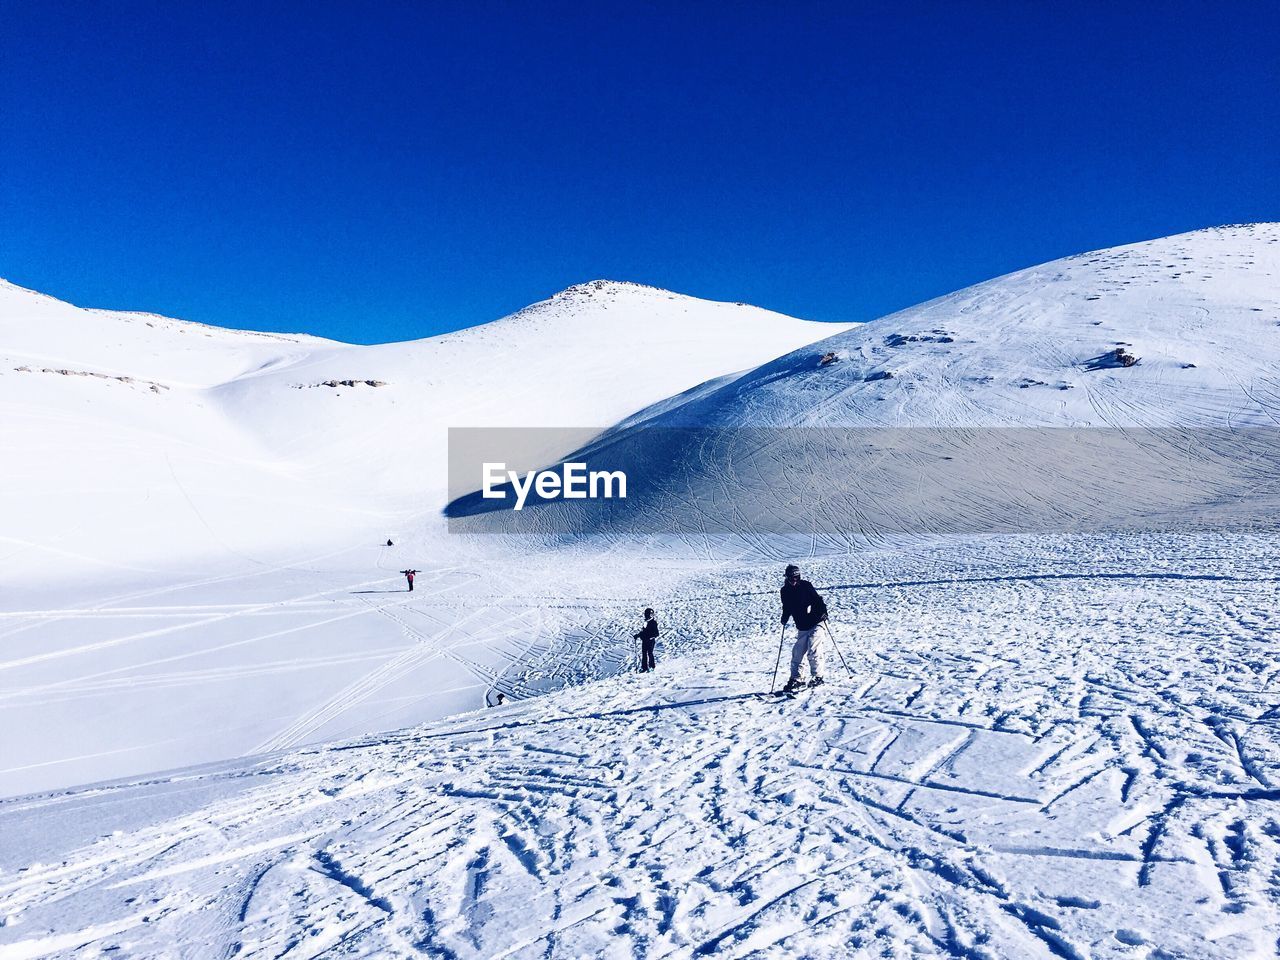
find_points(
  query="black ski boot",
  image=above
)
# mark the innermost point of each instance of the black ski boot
(815, 682)
(793, 685)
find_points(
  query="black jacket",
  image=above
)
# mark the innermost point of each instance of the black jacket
(650, 631)
(801, 601)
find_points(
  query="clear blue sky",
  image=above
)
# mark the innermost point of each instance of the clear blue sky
(382, 171)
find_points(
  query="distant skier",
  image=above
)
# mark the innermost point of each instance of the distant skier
(648, 637)
(801, 602)
(408, 575)
(389, 543)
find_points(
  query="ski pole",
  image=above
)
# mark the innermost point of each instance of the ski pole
(837, 646)
(773, 681)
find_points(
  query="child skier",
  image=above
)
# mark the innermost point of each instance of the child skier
(648, 637)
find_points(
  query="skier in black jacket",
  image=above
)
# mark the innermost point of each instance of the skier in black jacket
(801, 602)
(648, 637)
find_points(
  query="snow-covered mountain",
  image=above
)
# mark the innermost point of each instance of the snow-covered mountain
(134, 443)
(196, 515)
(1028, 745)
(1199, 311)
(902, 425)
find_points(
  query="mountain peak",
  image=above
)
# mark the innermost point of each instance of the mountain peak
(607, 288)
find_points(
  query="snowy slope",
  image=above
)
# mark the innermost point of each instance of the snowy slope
(1048, 746)
(1192, 423)
(198, 544)
(138, 443)
(1023, 764)
(117, 460)
(586, 358)
(1200, 310)
(46, 332)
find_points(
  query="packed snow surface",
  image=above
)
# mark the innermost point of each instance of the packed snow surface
(1061, 748)
(1044, 745)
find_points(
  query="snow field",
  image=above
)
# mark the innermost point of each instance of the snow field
(1029, 760)
(1050, 746)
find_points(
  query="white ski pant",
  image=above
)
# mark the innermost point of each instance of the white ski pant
(806, 646)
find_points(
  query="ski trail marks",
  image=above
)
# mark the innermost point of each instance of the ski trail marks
(1074, 787)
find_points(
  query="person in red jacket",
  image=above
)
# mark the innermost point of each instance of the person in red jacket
(802, 602)
(408, 575)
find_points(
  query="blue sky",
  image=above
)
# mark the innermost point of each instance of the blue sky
(388, 171)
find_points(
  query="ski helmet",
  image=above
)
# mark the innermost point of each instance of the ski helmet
(792, 570)
(648, 611)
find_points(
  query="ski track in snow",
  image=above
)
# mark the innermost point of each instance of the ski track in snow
(1028, 761)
